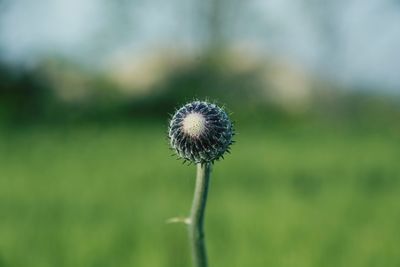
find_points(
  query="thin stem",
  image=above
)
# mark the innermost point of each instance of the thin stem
(196, 226)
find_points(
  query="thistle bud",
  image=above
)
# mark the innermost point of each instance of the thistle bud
(200, 132)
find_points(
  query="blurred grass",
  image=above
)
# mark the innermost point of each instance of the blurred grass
(286, 196)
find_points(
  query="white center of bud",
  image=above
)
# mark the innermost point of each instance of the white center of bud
(194, 124)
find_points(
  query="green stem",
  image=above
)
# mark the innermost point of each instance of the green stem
(196, 226)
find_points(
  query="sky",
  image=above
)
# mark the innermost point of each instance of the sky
(354, 42)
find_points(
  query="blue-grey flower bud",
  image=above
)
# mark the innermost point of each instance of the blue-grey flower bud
(200, 132)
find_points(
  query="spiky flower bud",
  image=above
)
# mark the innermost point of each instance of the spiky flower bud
(200, 132)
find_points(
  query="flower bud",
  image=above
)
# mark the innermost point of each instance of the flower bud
(200, 132)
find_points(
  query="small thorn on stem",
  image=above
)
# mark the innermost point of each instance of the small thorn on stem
(184, 220)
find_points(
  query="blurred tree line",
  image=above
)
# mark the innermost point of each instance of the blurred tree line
(50, 94)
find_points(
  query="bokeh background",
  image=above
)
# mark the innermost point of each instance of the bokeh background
(87, 87)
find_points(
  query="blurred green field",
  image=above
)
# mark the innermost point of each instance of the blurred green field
(287, 196)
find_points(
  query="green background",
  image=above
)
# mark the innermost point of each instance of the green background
(289, 195)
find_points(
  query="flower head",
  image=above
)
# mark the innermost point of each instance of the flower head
(200, 132)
